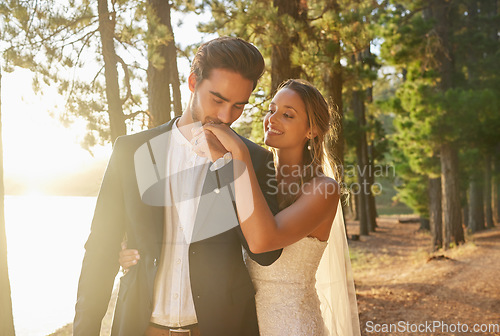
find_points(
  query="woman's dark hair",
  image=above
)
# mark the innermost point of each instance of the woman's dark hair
(230, 53)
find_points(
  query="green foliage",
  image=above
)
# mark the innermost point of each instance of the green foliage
(333, 32)
(336, 33)
(425, 116)
(60, 43)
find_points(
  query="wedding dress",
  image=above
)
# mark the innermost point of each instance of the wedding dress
(309, 290)
(286, 298)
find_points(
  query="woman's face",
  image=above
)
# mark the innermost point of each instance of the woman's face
(286, 124)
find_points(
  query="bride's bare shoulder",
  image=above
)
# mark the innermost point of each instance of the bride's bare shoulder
(322, 186)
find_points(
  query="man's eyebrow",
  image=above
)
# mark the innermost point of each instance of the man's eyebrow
(218, 95)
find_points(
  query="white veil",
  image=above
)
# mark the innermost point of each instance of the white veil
(335, 284)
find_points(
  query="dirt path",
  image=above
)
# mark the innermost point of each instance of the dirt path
(398, 283)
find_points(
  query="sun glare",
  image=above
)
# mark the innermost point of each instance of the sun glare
(37, 147)
(35, 193)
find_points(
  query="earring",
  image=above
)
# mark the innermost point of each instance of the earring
(309, 145)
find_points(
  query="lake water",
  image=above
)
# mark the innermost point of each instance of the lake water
(45, 239)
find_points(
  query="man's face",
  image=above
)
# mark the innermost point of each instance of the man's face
(220, 98)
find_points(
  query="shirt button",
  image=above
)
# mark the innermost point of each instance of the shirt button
(155, 262)
(176, 296)
(216, 190)
(178, 261)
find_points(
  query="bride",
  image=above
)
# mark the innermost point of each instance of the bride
(309, 289)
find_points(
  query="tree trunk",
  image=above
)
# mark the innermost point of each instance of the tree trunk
(425, 224)
(163, 76)
(362, 160)
(496, 187)
(176, 83)
(372, 207)
(334, 82)
(6, 317)
(435, 213)
(452, 215)
(496, 202)
(476, 205)
(492, 8)
(364, 228)
(442, 13)
(281, 64)
(366, 163)
(372, 210)
(487, 187)
(465, 213)
(355, 206)
(115, 108)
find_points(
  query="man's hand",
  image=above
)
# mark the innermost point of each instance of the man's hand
(128, 257)
(207, 145)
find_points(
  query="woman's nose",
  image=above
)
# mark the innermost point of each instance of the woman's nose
(273, 118)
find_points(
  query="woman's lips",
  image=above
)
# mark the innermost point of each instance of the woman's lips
(272, 131)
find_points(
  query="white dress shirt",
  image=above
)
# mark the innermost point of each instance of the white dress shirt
(173, 299)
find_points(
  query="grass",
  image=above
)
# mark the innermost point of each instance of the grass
(460, 250)
(360, 259)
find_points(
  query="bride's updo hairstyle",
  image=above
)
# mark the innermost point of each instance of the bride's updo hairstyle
(323, 121)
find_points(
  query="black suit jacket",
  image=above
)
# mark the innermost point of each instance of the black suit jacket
(222, 289)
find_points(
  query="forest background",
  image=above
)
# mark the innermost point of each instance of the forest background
(416, 84)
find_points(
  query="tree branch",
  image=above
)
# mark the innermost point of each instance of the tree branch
(135, 114)
(127, 79)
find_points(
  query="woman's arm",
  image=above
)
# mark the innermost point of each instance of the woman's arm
(315, 208)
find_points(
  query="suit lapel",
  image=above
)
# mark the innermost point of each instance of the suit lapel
(207, 199)
(159, 144)
(216, 212)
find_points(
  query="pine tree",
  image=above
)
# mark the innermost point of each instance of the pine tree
(290, 13)
(117, 41)
(112, 88)
(447, 94)
(164, 93)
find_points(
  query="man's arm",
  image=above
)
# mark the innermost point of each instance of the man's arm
(100, 263)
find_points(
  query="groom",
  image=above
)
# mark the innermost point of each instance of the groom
(177, 209)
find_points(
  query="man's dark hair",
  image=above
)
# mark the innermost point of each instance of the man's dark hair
(230, 53)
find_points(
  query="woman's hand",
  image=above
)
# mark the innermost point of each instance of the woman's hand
(224, 134)
(128, 258)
